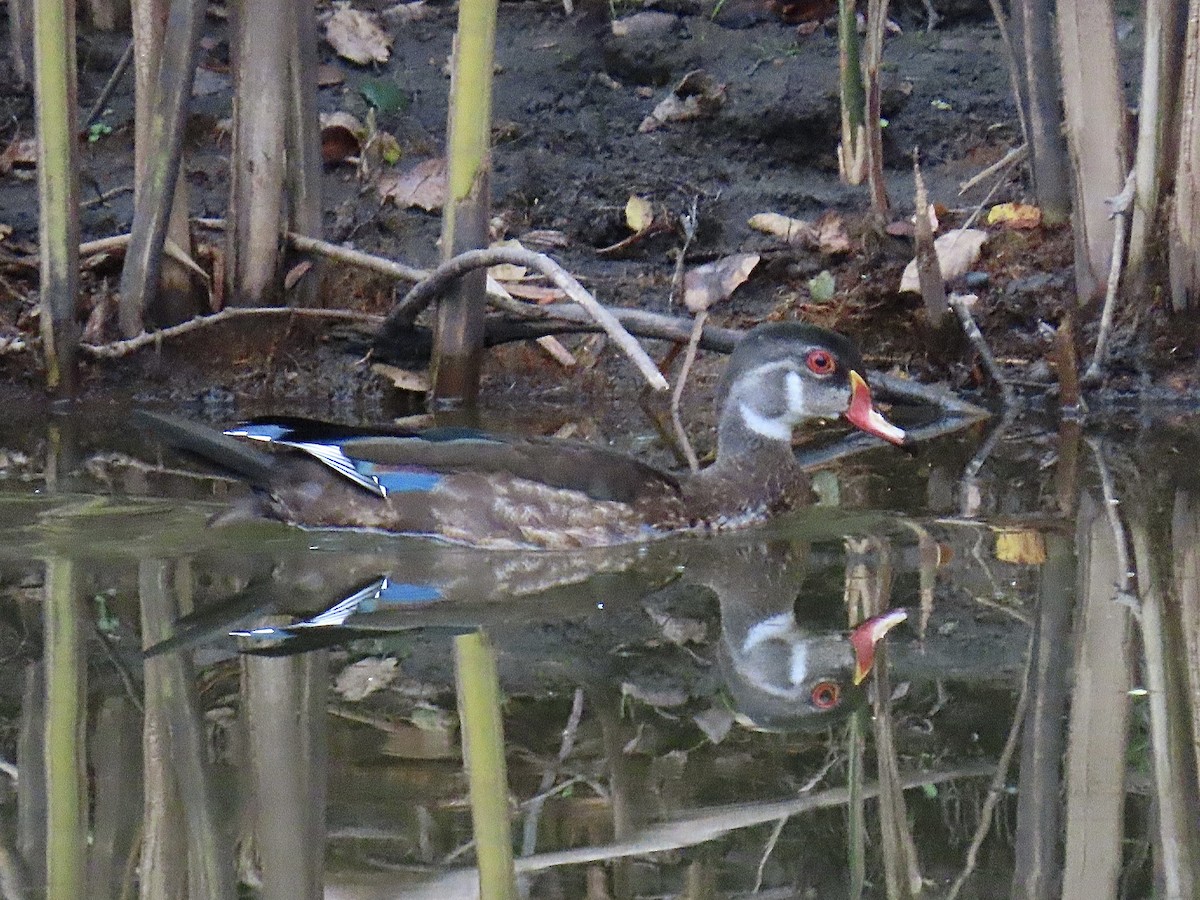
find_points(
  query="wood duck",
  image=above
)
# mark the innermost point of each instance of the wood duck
(497, 492)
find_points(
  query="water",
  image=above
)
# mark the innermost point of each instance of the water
(679, 719)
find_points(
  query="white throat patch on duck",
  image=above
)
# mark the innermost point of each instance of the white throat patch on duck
(778, 428)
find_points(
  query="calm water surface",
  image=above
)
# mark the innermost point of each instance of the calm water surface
(679, 719)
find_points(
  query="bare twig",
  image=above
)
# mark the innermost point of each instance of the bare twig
(1011, 158)
(688, 220)
(1120, 206)
(688, 359)
(961, 304)
(118, 349)
(929, 269)
(778, 829)
(378, 264)
(424, 292)
(1126, 588)
(1014, 67)
(109, 86)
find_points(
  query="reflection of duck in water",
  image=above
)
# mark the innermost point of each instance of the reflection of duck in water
(506, 493)
(780, 674)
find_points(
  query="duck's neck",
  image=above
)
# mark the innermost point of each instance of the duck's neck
(755, 474)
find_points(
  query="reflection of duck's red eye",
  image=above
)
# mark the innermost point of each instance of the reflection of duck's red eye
(825, 695)
(820, 362)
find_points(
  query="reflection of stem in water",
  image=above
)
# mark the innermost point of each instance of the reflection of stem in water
(969, 492)
(66, 718)
(778, 829)
(1167, 697)
(1126, 578)
(996, 788)
(483, 754)
(529, 834)
(856, 832)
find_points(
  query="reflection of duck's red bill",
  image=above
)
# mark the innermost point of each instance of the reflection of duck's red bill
(865, 636)
(863, 415)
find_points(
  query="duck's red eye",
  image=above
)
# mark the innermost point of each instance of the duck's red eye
(820, 362)
(826, 695)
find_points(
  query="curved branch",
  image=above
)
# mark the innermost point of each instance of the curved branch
(425, 292)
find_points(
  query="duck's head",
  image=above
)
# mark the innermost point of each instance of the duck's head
(784, 373)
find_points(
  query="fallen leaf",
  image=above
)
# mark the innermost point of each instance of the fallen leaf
(356, 36)
(794, 231)
(707, 284)
(405, 13)
(536, 292)
(646, 25)
(5, 230)
(546, 237)
(1021, 546)
(956, 250)
(508, 271)
(341, 137)
(424, 185)
(639, 213)
(1015, 215)
(19, 154)
(832, 237)
(403, 379)
(697, 94)
(365, 677)
(822, 287)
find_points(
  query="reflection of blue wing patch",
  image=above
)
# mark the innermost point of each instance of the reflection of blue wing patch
(377, 594)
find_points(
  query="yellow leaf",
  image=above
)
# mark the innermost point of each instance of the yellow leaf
(639, 213)
(1020, 546)
(1015, 215)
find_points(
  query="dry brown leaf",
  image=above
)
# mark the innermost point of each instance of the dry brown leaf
(538, 293)
(546, 237)
(832, 237)
(956, 250)
(712, 282)
(341, 137)
(424, 185)
(1015, 215)
(356, 36)
(639, 213)
(20, 153)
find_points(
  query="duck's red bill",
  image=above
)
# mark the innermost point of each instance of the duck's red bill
(866, 635)
(864, 416)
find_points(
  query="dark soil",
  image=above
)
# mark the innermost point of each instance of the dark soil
(568, 154)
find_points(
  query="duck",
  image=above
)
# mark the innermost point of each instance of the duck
(518, 493)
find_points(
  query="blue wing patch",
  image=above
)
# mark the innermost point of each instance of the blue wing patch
(329, 448)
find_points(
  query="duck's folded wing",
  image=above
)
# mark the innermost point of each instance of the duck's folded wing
(599, 473)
